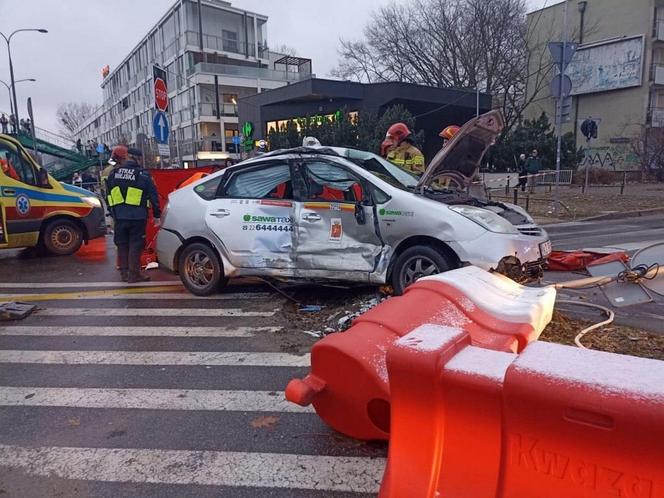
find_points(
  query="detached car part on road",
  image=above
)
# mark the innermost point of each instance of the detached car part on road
(321, 213)
(37, 210)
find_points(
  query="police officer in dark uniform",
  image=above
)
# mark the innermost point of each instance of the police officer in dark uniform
(130, 189)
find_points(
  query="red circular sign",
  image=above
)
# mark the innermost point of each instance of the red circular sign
(160, 94)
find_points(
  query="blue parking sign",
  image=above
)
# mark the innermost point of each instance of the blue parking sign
(160, 127)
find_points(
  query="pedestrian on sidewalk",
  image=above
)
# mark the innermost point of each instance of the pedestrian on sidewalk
(533, 166)
(77, 180)
(5, 123)
(130, 192)
(523, 174)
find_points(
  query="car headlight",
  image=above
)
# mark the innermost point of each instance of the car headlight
(487, 219)
(92, 201)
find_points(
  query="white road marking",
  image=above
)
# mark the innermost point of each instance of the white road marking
(213, 468)
(138, 331)
(164, 295)
(197, 312)
(149, 399)
(155, 358)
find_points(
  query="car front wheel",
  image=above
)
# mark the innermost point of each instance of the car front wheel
(62, 237)
(200, 270)
(417, 262)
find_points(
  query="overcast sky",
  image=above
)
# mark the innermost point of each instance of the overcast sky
(85, 35)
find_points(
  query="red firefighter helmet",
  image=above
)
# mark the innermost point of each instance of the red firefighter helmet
(449, 132)
(398, 132)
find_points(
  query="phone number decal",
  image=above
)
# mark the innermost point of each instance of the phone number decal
(268, 228)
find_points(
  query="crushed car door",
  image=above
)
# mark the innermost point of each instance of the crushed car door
(335, 220)
(253, 216)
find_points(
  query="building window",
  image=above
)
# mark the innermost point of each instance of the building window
(229, 39)
(125, 103)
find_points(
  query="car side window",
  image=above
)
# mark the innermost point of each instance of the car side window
(208, 190)
(15, 168)
(267, 182)
(329, 182)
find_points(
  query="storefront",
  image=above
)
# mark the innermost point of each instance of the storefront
(320, 99)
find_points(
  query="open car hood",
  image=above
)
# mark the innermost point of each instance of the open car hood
(465, 151)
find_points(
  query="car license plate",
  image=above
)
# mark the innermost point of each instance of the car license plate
(545, 248)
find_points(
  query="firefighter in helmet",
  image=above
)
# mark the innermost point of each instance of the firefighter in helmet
(448, 133)
(403, 152)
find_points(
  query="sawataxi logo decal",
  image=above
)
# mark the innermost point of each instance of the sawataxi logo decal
(389, 212)
(247, 217)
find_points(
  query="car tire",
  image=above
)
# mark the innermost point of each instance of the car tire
(200, 269)
(416, 262)
(62, 237)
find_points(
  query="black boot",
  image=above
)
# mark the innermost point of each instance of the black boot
(124, 275)
(137, 277)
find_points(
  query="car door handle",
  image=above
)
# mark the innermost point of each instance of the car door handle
(220, 213)
(311, 217)
(9, 191)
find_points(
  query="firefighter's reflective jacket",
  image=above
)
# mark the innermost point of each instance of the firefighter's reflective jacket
(130, 192)
(407, 156)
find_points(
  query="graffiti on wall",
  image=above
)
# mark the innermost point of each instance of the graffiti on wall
(607, 66)
(613, 157)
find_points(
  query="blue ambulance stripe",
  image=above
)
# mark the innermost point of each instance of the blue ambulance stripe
(39, 195)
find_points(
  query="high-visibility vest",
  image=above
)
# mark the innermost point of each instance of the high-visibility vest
(133, 197)
(407, 156)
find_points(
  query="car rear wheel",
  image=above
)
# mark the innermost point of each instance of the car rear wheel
(62, 237)
(200, 270)
(417, 262)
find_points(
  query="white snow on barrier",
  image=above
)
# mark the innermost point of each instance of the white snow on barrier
(616, 374)
(480, 362)
(429, 337)
(500, 296)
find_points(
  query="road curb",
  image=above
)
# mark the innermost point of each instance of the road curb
(623, 215)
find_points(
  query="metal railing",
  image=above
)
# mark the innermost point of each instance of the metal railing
(221, 44)
(248, 72)
(211, 109)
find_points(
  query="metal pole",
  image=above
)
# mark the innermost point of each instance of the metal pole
(559, 114)
(13, 86)
(477, 100)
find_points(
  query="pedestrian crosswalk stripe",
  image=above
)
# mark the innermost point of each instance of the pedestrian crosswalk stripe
(213, 468)
(138, 331)
(149, 399)
(155, 358)
(114, 295)
(197, 312)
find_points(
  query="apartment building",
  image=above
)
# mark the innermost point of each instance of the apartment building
(617, 75)
(207, 71)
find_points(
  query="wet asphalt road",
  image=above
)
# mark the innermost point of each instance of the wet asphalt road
(167, 395)
(106, 396)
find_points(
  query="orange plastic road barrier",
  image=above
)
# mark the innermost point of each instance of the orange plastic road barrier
(348, 384)
(579, 260)
(166, 181)
(554, 421)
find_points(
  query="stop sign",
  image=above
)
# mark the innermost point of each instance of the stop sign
(160, 94)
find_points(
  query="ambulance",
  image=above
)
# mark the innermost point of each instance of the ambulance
(38, 211)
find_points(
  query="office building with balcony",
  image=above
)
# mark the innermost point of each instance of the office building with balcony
(207, 72)
(617, 75)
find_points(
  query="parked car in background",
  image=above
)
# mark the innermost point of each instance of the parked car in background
(334, 214)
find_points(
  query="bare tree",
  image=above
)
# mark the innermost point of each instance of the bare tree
(449, 43)
(648, 147)
(71, 115)
(286, 50)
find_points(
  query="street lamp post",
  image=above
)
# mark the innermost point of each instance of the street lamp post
(9, 91)
(11, 66)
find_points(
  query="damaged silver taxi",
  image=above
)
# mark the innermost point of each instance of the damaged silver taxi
(336, 214)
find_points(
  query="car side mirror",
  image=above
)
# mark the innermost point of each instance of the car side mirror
(359, 214)
(42, 178)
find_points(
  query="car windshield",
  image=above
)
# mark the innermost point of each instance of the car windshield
(382, 168)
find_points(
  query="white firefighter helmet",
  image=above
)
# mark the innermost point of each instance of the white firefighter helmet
(310, 142)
